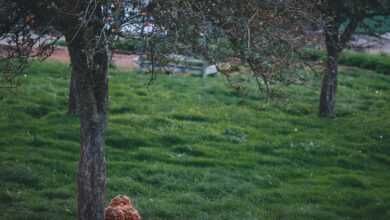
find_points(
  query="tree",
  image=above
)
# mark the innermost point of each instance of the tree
(117, 14)
(340, 19)
(265, 35)
(83, 24)
(19, 43)
(73, 100)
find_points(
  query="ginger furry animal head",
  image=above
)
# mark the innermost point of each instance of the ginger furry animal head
(121, 208)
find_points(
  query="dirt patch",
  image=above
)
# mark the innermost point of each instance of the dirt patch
(126, 61)
(122, 61)
(60, 54)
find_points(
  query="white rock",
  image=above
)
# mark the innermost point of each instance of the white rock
(210, 70)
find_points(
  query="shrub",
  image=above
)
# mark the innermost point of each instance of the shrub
(129, 45)
(314, 55)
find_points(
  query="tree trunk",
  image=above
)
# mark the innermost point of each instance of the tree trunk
(89, 65)
(73, 101)
(329, 82)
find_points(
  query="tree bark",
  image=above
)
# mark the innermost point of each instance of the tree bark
(89, 65)
(329, 82)
(73, 100)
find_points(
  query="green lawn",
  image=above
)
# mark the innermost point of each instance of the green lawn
(188, 148)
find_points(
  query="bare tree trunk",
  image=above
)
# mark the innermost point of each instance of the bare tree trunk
(89, 65)
(329, 82)
(73, 101)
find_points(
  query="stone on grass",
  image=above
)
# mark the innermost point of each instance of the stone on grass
(210, 70)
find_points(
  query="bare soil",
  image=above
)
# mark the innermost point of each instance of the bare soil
(122, 61)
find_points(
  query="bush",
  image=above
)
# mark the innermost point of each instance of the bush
(314, 55)
(129, 45)
(380, 24)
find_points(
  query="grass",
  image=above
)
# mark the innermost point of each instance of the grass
(189, 148)
(379, 63)
(129, 45)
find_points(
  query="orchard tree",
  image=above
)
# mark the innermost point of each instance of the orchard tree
(117, 15)
(83, 24)
(266, 35)
(340, 19)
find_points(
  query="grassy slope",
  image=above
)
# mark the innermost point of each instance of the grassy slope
(379, 63)
(187, 148)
